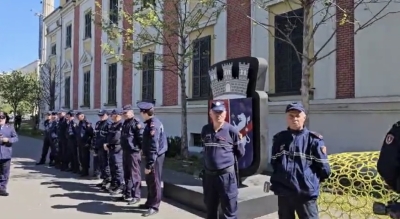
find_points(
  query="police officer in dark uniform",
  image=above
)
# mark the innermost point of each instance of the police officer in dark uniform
(8, 136)
(46, 139)
(101, 134)
(113, 146)
(131, 142)
(84, 135)
(53, 139)
(72, 148)
(62, 140)
(154, 147)
(300, 163)
(222, 148)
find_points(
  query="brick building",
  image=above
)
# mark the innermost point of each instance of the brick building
(355, 100)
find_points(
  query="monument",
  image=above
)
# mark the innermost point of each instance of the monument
(241, 84)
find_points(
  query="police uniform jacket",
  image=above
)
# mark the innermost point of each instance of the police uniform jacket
(71, 129)
(101, 133)
(114, 135)
(52, 130)
(154, 141)
(84, 131)
(132, 135)
(7, 131)
(62, 128)
(300, 162)
(221, 147)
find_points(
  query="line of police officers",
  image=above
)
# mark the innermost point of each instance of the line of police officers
(118, 144)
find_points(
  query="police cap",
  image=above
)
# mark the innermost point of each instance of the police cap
(145, 106)
(295, 106)
(54, 113)
(116, 112)
(218, 106)
(102, 112)
(79, 113)
(48, 113)
(71, 113)
(126, 108)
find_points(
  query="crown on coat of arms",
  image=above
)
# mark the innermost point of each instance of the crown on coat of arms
(229, 84)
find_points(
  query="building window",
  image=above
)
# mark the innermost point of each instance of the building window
(88, 25)
(53, 49)
(148, 3)
(200, 64)
(288, 68)
(196, 138)
(86, 89)
(114, 11)
(112, 84)
(68, 39)
(67, 91)
(148, 77)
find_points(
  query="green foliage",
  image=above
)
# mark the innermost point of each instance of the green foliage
(15, 88)
(174, 146)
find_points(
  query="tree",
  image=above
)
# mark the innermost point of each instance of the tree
(168, 24)
(14, 88)
(49, 80)
(314, 15)
(35, 96)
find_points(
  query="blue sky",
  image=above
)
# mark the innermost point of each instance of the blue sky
(19, 33)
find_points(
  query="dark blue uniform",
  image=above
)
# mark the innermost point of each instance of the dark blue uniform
(101, 134)
(52, 135)
(115, 153)
(6, 131)
(72, 148)
(154, 147)
(46, 140)
(62, 142)
(131, 142)
(300, 163)
(84, 140)
(221, 148)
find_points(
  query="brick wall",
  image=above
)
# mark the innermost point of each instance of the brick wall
(170, 80)
(127, 74)
(97, 56)
(76, 57)
(238, 28)
(345, 67)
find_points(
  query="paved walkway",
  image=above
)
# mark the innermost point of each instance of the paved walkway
(46, 193)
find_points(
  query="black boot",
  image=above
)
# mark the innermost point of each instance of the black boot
(41, 162)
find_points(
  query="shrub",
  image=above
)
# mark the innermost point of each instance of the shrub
(174, 146)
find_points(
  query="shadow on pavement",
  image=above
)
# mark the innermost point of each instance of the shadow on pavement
(100, 208)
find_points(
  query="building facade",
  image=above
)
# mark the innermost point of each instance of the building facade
(355, 98)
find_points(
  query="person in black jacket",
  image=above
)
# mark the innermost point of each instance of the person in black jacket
(46, 139)
(84, 137)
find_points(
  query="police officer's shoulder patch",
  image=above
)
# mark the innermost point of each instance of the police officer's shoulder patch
(138, 125)
(317, 135)
(323, 149)
(152, 132)
(152, 124)
(389, 139)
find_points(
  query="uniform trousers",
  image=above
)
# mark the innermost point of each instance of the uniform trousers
(221, 188)
(131, 163)
(116, 169)
(48, 144)
(153, 181)
(84, 156)
(72, 156)
(5, 166)
(62, 142)
(104, 161)
(305, 208)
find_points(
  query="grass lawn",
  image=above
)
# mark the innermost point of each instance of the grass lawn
(27, 130)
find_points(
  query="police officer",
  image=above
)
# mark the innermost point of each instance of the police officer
(100, 138)
(46, 139)
(84, 133)
(221, 149)
(131, 142)
(53, 139)
(155, 146)
(113, 146)
(300, 163)
(62, 141)
(8, 136)
(72, 147)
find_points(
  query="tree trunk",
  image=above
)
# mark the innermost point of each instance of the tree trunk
(306, 68)
(184, 137)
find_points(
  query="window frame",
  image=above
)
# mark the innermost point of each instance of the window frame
(67, 91)
(68, 36)
(113, 11)
(112, 84)
(88, 25)
(53, 49)
(86, 88)
(148, 62)
(197, 59)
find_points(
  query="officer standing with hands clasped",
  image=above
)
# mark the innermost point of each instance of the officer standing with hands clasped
(46, 139)
(53, 139)
(100, 138)
(72, 148)
(8, 136)
(154, 147)
(221, 143)
(62, 140)
(300, 163)
(113, 146)
(131, 142)
(84, 139)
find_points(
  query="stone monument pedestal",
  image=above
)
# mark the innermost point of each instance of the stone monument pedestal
(252, 202)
